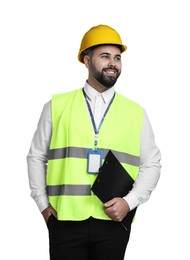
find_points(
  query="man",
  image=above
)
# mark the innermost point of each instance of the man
(74, 134)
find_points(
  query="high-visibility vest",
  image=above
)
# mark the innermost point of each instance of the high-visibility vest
(68, 182)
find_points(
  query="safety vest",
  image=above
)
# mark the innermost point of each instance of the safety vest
(68, 182)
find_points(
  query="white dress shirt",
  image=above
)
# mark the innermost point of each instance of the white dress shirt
(149, 171)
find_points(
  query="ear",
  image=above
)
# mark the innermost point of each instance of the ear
(86, 60)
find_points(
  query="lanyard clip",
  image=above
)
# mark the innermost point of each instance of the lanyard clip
(96, 140)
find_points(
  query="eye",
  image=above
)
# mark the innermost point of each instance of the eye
(118, 58)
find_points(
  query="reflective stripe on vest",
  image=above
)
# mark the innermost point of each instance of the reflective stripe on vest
(78, 152)
(69, 190)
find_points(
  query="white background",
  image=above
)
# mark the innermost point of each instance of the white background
(38, 57)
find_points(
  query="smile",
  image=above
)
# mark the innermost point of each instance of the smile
(110, 72)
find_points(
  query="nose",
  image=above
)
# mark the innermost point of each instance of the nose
(111, 62)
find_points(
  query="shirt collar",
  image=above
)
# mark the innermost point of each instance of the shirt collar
(92, 93)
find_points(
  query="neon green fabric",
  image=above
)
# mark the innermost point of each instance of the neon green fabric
(72, 127)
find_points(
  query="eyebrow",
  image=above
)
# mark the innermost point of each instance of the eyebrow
(107, 53)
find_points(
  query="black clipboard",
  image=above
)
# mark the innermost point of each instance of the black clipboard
(113, 181)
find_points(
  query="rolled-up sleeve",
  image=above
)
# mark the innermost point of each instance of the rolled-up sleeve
(149, 170)
(38, 156)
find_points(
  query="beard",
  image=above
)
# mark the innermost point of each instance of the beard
(107, 81)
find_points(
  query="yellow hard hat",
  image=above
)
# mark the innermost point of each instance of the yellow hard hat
(97, 35)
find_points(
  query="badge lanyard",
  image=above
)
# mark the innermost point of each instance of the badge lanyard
(96, 130)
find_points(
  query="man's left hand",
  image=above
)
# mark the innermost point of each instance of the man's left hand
(116, 209)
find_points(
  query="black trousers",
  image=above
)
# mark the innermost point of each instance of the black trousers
(91, 239)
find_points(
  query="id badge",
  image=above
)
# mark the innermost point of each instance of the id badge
(94, 161)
